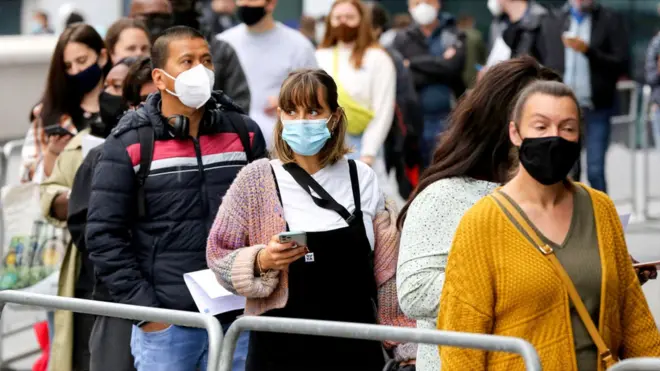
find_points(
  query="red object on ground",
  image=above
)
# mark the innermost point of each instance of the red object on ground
(43, 338)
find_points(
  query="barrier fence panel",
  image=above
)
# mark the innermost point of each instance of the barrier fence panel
(377, 333)
(637, 364)
(132, 312)
(646, 119)
(630, 119)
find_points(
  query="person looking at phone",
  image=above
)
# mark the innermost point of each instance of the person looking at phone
(69, 347)
(70, 102)
(472, 159)
(551, 256)
(331, 276)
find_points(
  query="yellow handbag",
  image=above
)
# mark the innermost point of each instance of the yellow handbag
(357, 115)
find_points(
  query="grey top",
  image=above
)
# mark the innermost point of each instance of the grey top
(426, 239)
(580, 256)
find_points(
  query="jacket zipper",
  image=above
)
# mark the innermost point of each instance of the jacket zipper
(200, 166)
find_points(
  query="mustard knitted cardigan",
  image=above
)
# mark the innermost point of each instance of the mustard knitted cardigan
(497, 283)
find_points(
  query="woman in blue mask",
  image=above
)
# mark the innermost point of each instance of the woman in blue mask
(310, 235)
(71, 99)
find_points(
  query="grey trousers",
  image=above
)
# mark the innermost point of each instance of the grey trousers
(110, 345)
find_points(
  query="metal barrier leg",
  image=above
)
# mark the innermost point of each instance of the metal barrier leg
(377, 333)
(132, 312)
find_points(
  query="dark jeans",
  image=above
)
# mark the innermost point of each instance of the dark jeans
(434, 125)
(596, 139)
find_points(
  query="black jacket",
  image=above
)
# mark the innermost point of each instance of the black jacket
(77, 219)
(523, 36)
(427, 68)
(142, 260)
(229, 75)
(608, 51)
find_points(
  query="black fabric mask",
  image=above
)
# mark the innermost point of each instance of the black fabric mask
(157, 23)
(549, 159)
(84, 81)
(251, 15)
(111, 109)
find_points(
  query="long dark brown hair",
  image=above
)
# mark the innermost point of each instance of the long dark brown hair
(476, 143)
(365, 38)
(59, 97)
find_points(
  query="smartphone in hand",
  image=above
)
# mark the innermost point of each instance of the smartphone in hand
(297, 238)
(56, 129)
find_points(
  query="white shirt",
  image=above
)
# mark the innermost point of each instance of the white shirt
(302, 214)
(373, 86)
(267, 59)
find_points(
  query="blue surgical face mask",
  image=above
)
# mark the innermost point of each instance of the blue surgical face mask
(306, 137)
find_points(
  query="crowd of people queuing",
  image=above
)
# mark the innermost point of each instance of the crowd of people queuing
(215, 143)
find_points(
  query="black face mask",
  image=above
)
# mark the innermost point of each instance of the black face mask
(251, 15)
(111, 109)
(157, 23)
(549, 159)
(84, 81)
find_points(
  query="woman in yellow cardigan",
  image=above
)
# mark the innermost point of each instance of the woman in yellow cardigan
(499, 282)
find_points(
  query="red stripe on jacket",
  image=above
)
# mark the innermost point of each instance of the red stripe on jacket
(210, 145)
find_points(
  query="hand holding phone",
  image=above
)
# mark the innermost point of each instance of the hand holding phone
(56, 130)
(278, 255)
(646, 271)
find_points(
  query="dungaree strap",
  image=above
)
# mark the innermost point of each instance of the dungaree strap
(355, 185)
(325, 201)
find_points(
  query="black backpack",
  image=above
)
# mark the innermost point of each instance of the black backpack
(146, 139)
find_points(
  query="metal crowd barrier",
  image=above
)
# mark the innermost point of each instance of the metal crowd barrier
(630, 119)
(646, 119)
(377, 333)
(637, 364)
(132, 312)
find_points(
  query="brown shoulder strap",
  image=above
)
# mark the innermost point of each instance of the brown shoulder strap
(605, 354)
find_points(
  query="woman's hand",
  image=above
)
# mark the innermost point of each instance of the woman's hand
(644, 274)
(56, 143)
(278, 255)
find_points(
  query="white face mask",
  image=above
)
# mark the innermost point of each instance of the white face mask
(424, 14)
(495, 8)
(193, 87)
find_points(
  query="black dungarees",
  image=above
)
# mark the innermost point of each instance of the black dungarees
(334, 282)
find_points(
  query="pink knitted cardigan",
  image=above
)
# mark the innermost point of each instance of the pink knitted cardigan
(251, 214)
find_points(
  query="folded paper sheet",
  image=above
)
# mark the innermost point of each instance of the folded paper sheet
(209, 296)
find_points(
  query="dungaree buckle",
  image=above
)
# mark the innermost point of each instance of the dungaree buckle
(350, 219)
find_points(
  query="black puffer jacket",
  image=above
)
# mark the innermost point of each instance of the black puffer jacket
(142, 260)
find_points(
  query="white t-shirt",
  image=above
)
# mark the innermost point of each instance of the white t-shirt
(302, 214)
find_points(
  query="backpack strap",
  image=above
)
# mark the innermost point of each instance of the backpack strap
(146, 140)
(239, 124)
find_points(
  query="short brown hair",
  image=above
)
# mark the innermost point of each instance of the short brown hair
(301, 89)
(115, 30)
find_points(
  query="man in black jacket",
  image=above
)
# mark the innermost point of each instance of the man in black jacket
(434, 50)
(518, 23)
(588, 44)
(158, 184)
(158, 15)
